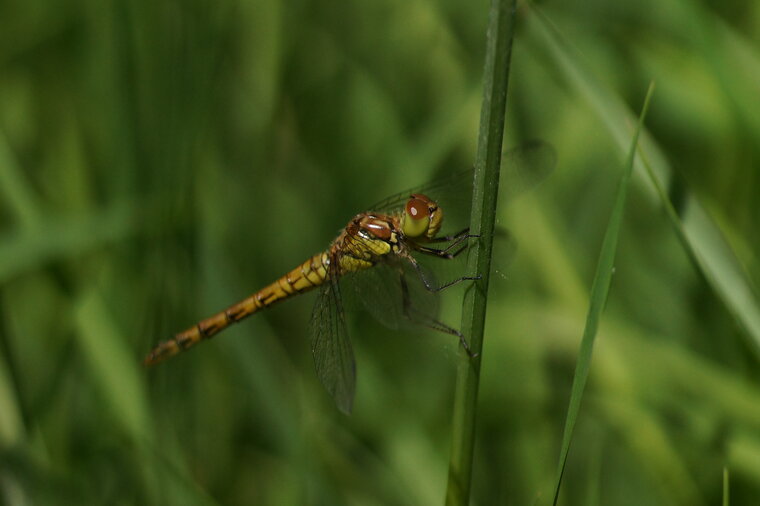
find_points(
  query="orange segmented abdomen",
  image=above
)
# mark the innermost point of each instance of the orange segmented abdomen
(306, 276)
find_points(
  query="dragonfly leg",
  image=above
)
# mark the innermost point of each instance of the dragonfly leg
(449, 238)
(458, 241)
(414, 314)
(429, 286)
(455, 240)
(461, 249)
(452, 283)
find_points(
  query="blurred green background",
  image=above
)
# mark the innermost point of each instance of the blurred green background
(161, 160)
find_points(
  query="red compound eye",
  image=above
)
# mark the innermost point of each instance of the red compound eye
(417, 208)
(418, 216)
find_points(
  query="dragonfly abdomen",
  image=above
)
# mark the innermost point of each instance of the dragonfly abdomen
(303, 278)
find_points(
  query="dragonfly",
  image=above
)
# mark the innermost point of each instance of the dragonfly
(379, 255)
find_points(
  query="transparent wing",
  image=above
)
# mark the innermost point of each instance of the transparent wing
(330, 344)
(394, 294)
(523, 168)
(377, 291)
(449, 186)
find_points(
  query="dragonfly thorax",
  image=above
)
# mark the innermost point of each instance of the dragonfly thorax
(367, 237)
(374, 228)
(421, 218)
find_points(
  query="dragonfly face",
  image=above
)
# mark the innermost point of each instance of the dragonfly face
(422, 218)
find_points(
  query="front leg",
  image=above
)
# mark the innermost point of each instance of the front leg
(454, 240)
(415, 315)
(426, 282)
(448, 238)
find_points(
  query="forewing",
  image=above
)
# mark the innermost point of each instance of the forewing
(448, 187)
(523, 168)
(330, 344)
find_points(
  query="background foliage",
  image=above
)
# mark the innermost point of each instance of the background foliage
(160, 160)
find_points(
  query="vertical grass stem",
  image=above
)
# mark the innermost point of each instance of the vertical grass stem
(485, 190)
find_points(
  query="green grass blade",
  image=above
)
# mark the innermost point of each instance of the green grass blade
(594, 485)
(713, 256)
(487, 164)
(725, 487)
(701, 238)
(14, 189)
(57, 238)
(599, 291)
(121, 384)
(11, 419)
(113, 367)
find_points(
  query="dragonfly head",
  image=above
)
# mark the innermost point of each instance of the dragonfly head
(422, 217)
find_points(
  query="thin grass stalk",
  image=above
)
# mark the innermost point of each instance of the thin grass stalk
(702, 239)
(598, 298)
(725, 487)
(482, 219)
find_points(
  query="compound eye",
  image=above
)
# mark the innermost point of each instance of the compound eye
(416, 219)
(417, 209)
